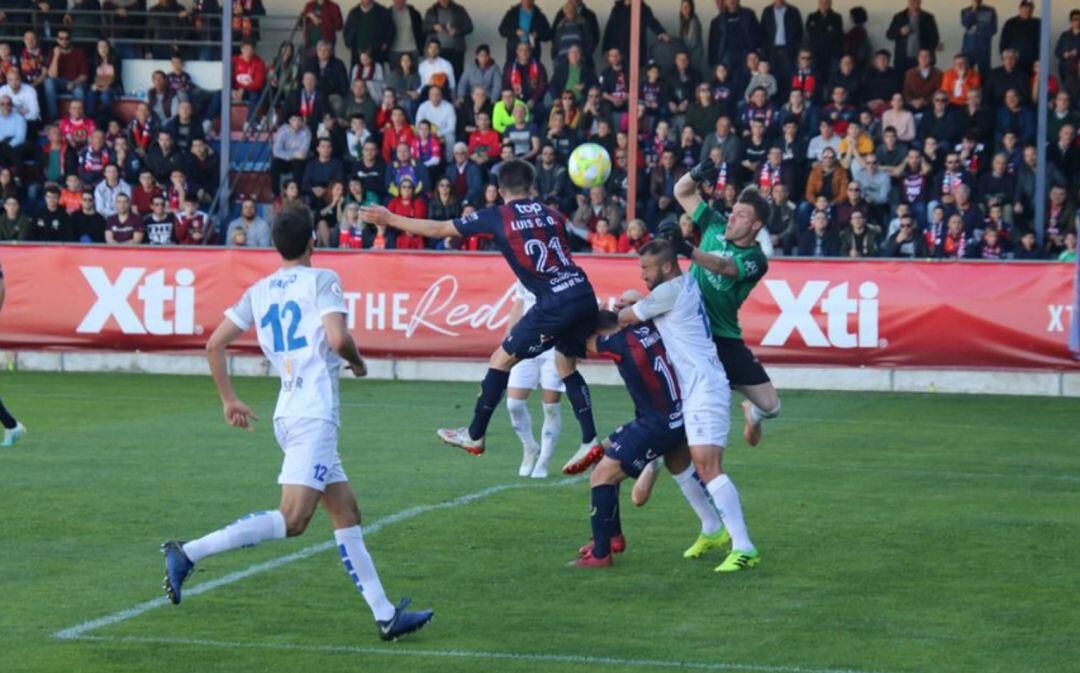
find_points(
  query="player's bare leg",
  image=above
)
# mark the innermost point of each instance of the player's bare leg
(708, 461)
(471, 438)
(762, 402)
(643, 485)
(577, 391)
(604, 516)
(549, 433)
(521, 421)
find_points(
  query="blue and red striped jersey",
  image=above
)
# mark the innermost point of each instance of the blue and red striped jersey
(532, 239)
(643, 364)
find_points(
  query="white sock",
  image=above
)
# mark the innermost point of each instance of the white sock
(361, 570)
(549, 434)
(726, 497)
(699, 500)
(246, 531)
(759, 414)
(521, 421)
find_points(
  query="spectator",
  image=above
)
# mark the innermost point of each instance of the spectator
(321, 172)
(465, 177)
(1028, 249)
(991, 246)
(725, 140)
(824, 37)
(292, 141)
(159, 224)
(595, 206)
(249, 77)
(355, 137)
(482, 73)
(184, 127)
(371, 171)
(370, 73)
(527, 78)
(192, 226)
(859, 239)
(906, 242)
(921, 81)
(526, 24)
(14, 224)
(552, 181)
(368, 26)
(617, 30)
(24, 99)
(898, 118)
(408, 204)
(67, 73)
(819, 240)
(408, 32)
(167, 23)
(435, 70)
(1067, 48)
(1006, 76)
(88, 223)
(105, 83)
(634, 238)
(469, 109)
(427, 149)
(734, 32)
(826, 139)
(444, 204)
(125, 227)
(440, 115)
(980, 25)
(1016, 117)
(104, 195)
(958, 80)
(940, 121)
(1068, 252)
(523, 136)
(322, 21)
(351, 228)
(570, 30)
(405, 167)
(205, 176)
(331, 78)
(449, 23)
(782, 33)
(485, 142)
(827, 178)
(249, 230)
(911, 31)
(12, 133)
(955, 243)
(856, 40)
(165, 157)
(1060, 220)
(1021, 33)
(978, 118)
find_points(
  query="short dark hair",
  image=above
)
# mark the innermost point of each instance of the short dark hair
(606, 320)
(516, 176)
(753, 198)
(292, 231)
(661, 248)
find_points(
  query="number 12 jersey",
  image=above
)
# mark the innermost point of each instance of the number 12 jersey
(287, 308)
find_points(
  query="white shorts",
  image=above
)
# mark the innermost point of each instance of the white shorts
(527, 373)
(310, 448)
(707, 414)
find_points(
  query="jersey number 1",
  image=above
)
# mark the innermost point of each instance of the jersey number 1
(272, 319)
(661, 368)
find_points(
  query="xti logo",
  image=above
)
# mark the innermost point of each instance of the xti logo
(797, 315)
(152, 292)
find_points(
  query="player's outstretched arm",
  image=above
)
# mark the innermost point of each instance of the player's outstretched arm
(380, 216)
(686, 189)
(721, 266)
(341, 342)
(237, 414)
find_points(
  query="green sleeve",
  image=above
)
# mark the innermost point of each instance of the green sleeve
(706, 218)
(752, 266)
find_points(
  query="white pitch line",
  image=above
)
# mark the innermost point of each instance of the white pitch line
(79, 630)
(551, 658)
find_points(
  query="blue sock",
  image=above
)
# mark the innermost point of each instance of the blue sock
(6, 419)
(603, 517)
(491, 390)
(577, 391)
(616, 519)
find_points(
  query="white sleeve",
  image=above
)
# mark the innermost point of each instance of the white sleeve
(329, 297)
(661, 300)
(242, 314)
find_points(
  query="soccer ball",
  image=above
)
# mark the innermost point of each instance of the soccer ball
(589, 166)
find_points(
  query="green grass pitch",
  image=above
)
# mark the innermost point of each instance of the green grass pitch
(899, 533)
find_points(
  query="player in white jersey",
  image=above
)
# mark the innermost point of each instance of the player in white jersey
(674, 305)
(524, 378)
(299, 314)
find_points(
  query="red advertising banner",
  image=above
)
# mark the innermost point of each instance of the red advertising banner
(416, 304)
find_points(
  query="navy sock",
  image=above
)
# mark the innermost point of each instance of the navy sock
(577, 391)
(605, 510)
(491, 390)
(6, 419)
(616, 519)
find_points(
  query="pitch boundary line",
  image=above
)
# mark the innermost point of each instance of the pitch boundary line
(79, 630)
(550, 658)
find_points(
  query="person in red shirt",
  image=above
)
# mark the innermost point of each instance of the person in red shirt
(67, 73)
(485, 143)
(142, 194)
(322, 21)
(76, 129)
(398, 131)
(635, 236)
(249, 76)
(192, 225)
(408, 204)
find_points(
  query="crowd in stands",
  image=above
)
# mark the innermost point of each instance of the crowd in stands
(904, 150)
